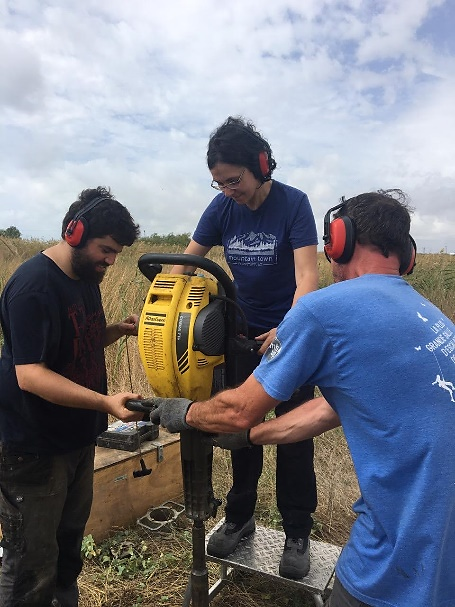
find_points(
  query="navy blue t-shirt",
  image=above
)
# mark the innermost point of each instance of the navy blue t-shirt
(48, 317)
(259, 248)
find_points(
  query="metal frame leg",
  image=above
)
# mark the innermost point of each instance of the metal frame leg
(226, 575)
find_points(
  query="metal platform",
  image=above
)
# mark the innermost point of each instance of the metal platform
(261, 553)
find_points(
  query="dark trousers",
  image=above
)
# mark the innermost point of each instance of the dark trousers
(340, 597)
(45, 502)
(295, 477)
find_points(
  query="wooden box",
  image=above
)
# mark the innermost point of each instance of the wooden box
(119, 498)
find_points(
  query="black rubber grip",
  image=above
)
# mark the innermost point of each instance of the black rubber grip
(144, 405)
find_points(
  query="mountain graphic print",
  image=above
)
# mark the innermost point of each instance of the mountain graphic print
(252, 249)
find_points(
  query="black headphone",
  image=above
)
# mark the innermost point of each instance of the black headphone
(340, 238)
(76, 233)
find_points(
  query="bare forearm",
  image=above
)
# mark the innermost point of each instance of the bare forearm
(310, 419)
(222, 413)
(39, 380)
(306, 271)
(232, 410)
(57, 389)
(112, 334)
(306, 286)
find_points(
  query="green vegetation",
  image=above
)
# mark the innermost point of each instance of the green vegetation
(170, 240)
(11, 232)
(126, 555)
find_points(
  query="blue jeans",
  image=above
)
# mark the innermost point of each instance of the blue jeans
(340, 597)
(45, 502)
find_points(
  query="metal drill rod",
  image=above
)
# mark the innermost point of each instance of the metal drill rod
(196, 451)
(199, 574)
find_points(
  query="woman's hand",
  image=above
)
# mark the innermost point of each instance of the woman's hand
(267, 338)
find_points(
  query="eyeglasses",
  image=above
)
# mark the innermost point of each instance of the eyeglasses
(231, 185)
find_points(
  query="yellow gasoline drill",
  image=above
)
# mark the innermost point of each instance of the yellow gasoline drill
(191, 345)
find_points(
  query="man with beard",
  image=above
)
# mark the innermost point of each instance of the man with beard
(54, 402)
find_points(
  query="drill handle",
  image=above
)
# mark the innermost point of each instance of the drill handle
(145, 405)
(242, 344)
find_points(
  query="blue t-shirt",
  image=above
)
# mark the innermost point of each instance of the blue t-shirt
(48, 317)
(384, 358)
(259, 248)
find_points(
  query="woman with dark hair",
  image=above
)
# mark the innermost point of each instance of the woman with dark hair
(269, 237)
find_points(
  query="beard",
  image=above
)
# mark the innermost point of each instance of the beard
(84, 267)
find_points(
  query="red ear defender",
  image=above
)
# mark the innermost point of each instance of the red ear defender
(339, 236)
(264, 163)
(76, 233)
(340, 247)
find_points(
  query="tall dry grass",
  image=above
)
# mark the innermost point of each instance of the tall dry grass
(124, 290)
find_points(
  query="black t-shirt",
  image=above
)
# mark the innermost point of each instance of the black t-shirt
(48, 317)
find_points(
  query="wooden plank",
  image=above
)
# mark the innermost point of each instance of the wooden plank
(119, 499)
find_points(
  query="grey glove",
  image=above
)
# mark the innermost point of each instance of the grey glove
(237, 440)
(171, 413)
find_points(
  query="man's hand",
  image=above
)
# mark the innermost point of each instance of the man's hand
(116, 406)
(171, 413)
(233, 441)
(129, 325)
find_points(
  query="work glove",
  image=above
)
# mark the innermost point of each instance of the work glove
(171, 413)
(237, 440)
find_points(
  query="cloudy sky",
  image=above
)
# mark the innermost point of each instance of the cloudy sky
(352, 95)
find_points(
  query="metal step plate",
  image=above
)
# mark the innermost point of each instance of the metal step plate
(261, 552)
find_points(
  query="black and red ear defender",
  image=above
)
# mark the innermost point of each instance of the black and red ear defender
(76, 233)
(408, 263)
(339, 236)
(263, 156)
(264, 163)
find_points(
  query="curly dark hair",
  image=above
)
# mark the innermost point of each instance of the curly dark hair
(381, 219)
(238, 142)
(107, 218)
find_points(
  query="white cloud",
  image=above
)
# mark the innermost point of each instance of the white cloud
(352, 96)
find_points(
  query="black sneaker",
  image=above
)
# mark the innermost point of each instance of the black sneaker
(295, 562)
(226, 539)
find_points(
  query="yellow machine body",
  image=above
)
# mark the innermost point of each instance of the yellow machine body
(174, 362)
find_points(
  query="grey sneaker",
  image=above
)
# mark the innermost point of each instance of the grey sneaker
(295, 562)
(226, 539)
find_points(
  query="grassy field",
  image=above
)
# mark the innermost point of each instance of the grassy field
(138, 568)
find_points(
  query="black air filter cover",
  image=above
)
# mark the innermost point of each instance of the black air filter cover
(209, 329)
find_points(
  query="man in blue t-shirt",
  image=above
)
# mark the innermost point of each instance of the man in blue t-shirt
(54, 402)
(383, 357)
